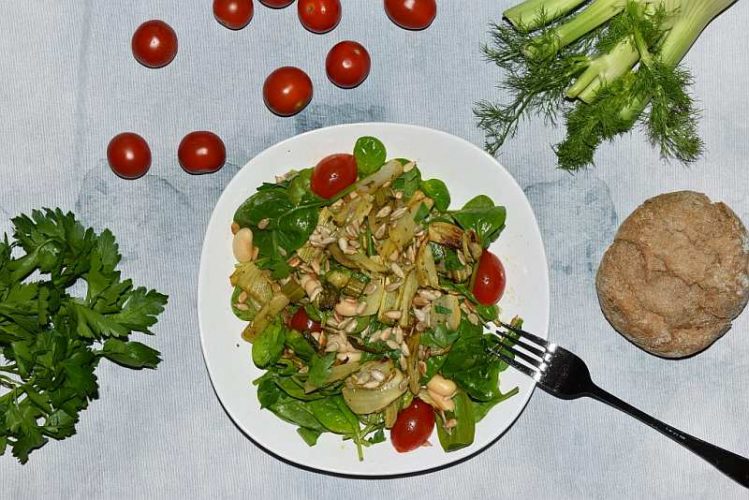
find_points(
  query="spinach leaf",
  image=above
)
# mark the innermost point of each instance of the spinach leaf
(437, 191)
(310, 436)
(470, 366)
(477, 202)
(284, 367)
(268, 392)
(488, 313)
(292, 410)
(370, 155)
(295, 389)
(289, 217)
(299, 188)
(463, 433)
(268, 204)
(486, 220)
(296, 412)
(439, 337)
(268, 345)
(295, 226)
(335, 415)
(319, 369)
(481, 408)
(301, 347)
(434, 365)
(408, 183)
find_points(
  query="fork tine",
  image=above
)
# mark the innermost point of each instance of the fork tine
(535, 363)
(513, 362)
(522, 343)
(528, 335)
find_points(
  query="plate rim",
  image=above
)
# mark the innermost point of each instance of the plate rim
(200, 299)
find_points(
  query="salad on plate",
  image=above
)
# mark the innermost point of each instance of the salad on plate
(366, 297)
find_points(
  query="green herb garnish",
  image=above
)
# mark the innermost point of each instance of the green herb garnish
(602, 68)
(52, 341)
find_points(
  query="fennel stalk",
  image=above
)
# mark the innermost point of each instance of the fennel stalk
(603, 66)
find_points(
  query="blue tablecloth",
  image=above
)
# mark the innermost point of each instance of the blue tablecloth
(68, 83)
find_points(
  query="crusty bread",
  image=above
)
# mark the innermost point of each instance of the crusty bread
(676, 275)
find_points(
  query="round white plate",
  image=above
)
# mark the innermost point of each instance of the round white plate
(467, 171)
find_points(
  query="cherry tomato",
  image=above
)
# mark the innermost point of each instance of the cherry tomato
(277, 4)
(128, 155)
(413, 426)
(333, 174)
(201, 152)
(287, 91)
(319, 16)
(348, 64)
(490, 279)
(411, 14)
(234, 14)
(301, 322)
(154, 44)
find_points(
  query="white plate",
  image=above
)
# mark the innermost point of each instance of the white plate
(467, 171)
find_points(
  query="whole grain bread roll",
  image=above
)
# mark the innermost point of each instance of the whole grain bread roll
(676, 275)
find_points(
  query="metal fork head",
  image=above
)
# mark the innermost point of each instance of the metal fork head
(523, 351)
(555, 369)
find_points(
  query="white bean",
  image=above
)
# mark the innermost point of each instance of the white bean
(442, 402)
(442, 386)
(347, 307)
(242, 245)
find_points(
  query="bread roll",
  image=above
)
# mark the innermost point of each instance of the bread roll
(676, 275)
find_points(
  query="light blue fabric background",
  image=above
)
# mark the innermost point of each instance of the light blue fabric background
(68, 83)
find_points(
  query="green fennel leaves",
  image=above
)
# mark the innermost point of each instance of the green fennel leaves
(602, 67)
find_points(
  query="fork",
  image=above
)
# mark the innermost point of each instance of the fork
(563, 374)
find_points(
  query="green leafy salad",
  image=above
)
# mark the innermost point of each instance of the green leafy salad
(366, 297)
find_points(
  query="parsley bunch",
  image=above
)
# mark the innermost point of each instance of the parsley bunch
(52, 341)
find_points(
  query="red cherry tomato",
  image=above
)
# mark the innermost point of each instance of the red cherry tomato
(287, 91)
(348, 64)
(301, 322)
(234, 14)
(319, 16)
(333, 174)
(413, 426)
(277, 4)
(154, 44)
(128, 155)
(201, 152)
(411, 14)
(490, 279)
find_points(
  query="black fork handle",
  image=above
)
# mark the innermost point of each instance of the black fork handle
(734, 466)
